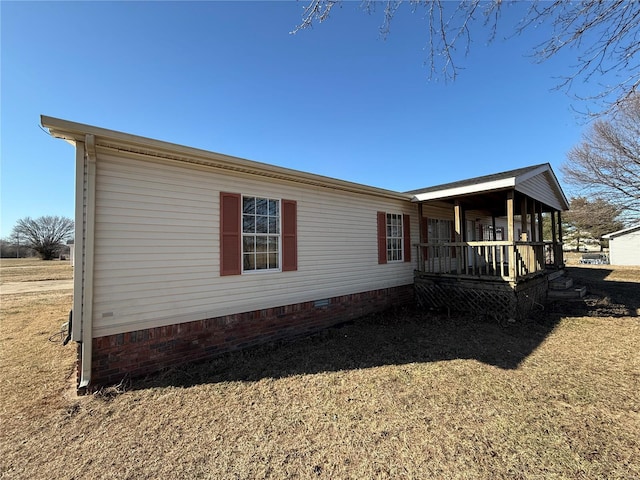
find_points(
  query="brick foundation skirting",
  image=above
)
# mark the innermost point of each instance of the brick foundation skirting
(147, 351)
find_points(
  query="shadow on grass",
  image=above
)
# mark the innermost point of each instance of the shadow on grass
(408, 335)
(395, 337)
(606, 298)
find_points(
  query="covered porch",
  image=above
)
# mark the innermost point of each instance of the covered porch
(487, 244)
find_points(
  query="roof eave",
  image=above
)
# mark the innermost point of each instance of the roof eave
(77, 132)
(621, 232)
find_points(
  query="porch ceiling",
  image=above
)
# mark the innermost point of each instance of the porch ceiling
(494, 202)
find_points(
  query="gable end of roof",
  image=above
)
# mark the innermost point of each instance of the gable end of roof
(624, 231)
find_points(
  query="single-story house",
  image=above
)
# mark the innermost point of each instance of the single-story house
(624, 246)
(182, 254)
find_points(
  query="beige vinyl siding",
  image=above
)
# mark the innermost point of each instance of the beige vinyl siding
(157, 245)
(440, 210)
(539, 188)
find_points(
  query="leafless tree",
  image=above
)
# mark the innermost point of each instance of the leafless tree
(605, 34)
(45, 234)
(591, 219)
(606, 163)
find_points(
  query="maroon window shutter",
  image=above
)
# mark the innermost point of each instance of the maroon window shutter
(406, 234)
(289, 236)
(382, 237)
(230, 233)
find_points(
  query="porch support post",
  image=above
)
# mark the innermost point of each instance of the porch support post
(536, 236)
(560, 241)
(559, 227)
(554, 239)
(540, 249)
(421, 238)
(523, 219)
(525, 236)
(539, 215)
(511, 235)
(458, 222)
(532, 221)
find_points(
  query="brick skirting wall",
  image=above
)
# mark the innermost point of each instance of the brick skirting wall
(142, 352)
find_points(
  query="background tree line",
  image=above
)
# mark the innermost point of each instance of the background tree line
(44, 236)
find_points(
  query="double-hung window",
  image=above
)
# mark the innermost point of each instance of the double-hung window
(394, 237)
(257, 234)
(260, 234)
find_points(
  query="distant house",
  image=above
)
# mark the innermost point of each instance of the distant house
(267, 253)
(70, 244)
(624, 246)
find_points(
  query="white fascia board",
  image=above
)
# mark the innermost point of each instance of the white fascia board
(125, 142)
(466, 190)
(621, 232)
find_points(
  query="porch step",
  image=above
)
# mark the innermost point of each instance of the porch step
(577, 292)
(562, 287)
(562, 283)
(555, 274)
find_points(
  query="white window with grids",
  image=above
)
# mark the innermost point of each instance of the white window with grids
(260, 234)
(395, 243)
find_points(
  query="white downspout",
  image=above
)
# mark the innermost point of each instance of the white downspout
(88, 220)
(78, 242)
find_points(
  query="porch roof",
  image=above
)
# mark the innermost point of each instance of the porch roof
(537, 181)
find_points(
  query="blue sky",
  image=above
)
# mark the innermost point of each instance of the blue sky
(337, 100)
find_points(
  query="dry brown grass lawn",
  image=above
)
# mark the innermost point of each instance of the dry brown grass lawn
(404, 395)
(33, 269)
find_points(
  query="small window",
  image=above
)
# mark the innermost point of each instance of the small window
(395, 240)
(260, 234)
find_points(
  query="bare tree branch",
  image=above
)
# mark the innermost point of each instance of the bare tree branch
(45, 234)
(604, 34)
(606, 163)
